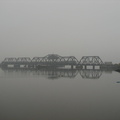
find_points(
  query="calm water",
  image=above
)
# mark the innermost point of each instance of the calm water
(59, 95)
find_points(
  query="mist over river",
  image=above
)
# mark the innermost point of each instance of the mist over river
(38, 34)
(59, 95)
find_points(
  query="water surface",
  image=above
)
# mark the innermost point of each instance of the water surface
(59, 95)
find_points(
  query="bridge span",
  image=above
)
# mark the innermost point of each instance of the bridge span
(53, 61)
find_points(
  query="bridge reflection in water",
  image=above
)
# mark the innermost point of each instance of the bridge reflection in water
(90, 74)
(60, 73)
(57, 73)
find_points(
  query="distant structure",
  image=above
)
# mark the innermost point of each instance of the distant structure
(56, 61)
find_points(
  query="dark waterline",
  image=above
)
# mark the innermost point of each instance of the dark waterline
(53, 95)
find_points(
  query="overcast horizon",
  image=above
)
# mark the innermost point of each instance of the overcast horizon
(67, 28)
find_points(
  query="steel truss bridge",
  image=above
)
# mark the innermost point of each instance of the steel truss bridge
(53, 60)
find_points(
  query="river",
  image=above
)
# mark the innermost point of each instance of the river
(59, 95)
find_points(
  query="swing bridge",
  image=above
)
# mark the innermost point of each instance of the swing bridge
(55, 61)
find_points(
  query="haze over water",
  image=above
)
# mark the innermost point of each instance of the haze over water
(32, 28)
(49, 95)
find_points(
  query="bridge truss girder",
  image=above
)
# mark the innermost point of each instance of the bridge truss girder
(53, 59)
(23, 59)
(9, 60)
(91, 60)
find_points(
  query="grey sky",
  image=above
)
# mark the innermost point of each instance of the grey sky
(79, 28)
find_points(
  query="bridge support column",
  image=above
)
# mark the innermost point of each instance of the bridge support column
(4, 65)
(30, 66)
(101, 66)
(16, 66)
(82, 67)
(85, 67)
(93, 67)
(71, 66)
(79, 67)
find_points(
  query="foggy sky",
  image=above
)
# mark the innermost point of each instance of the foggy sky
(30, 28)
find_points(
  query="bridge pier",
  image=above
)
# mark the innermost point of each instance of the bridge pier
(85, 67)
(71, 66)
(30, 66)
(16, 66)
(4, 65)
